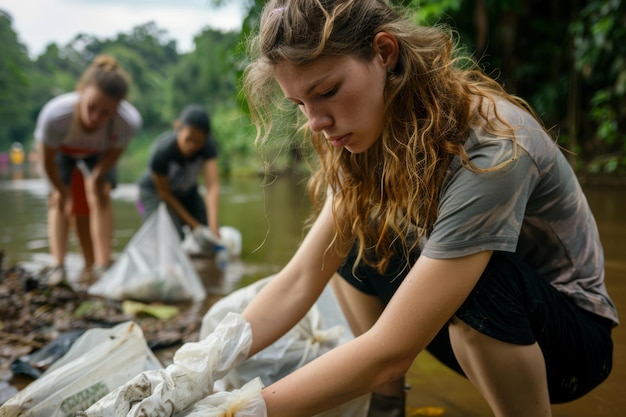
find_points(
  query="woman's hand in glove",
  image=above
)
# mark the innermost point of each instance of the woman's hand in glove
(196, 366)
(244, 402)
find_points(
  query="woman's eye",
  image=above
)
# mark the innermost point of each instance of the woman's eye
(329, 93)
(295, 102)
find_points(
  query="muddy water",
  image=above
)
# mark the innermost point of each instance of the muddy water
(270, 219)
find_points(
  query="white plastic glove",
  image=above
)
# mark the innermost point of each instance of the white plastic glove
(205, 237)
(196, 366)
(244, 402)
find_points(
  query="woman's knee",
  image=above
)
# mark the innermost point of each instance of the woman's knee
(99, 194)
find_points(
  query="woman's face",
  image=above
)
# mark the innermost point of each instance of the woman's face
(96, 108)
(342, 98)
(190, 139)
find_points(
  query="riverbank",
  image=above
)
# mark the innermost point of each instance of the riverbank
(45, 320)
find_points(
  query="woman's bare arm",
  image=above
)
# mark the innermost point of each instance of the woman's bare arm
(291, 293)
(425, 301)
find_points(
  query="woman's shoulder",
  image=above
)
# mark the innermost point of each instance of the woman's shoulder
(524, 137)
(60, 106)
(163, 149)
(209, 150)
(129, 114)
(164, 142)
(55, 117)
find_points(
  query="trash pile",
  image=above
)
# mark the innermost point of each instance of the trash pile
(45, 320)
(72, 348)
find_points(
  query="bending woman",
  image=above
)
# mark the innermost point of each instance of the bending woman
(90, 129)
(178, 158)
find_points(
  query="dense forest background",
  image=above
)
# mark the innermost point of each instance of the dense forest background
(567, 58)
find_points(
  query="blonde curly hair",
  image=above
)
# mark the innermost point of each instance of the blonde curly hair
(386, 197)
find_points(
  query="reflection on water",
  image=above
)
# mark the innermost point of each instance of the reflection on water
(270, 219)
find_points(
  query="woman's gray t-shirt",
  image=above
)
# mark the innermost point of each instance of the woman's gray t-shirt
(532, 206)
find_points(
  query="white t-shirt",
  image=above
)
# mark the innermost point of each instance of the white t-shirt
(58, 127)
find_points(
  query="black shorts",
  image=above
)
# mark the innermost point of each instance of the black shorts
(193, 202)
(512, 303)
(66, 165)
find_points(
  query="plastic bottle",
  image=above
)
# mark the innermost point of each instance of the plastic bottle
(221, 257)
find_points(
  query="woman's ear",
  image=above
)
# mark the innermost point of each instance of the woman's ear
(176, 124)
(386, 48)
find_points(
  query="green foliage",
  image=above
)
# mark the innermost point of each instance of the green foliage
(206, 75)
(235, 137)
(599, 37)
(14, 85)
(566, 58)
(134, 161)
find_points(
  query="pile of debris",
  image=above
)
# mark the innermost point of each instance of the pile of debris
(34, 317)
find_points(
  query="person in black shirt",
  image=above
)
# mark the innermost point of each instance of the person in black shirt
(178, 158)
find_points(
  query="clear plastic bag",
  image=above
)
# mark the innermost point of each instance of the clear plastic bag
(152, 267)
(323, 328)
(97, 363)
(189, 379)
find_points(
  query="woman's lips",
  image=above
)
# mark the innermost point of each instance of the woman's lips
(339, 141)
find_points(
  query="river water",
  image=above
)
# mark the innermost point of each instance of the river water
(270, 218)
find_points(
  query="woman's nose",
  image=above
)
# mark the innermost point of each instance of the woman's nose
(318, 119)
(98, 117)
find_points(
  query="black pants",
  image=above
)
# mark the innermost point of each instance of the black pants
(512, 303)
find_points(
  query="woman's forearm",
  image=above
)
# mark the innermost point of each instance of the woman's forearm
(212, 208)
(174, 203)
(106, 162)
(50, 167)
(345, 373)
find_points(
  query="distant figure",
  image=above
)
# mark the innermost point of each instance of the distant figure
(17, 154)
(89, 129)
(178, 158)
(79, 211)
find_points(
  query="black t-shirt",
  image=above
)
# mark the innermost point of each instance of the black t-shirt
(182, 172)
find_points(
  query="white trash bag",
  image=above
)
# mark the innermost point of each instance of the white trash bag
(242, 402)
(231, 237)
(152, 267)
(98, 362)
(323, 328)
(202, 243)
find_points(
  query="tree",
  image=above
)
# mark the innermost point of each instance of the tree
(599, 56)
(14, 85)
(207, 74)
